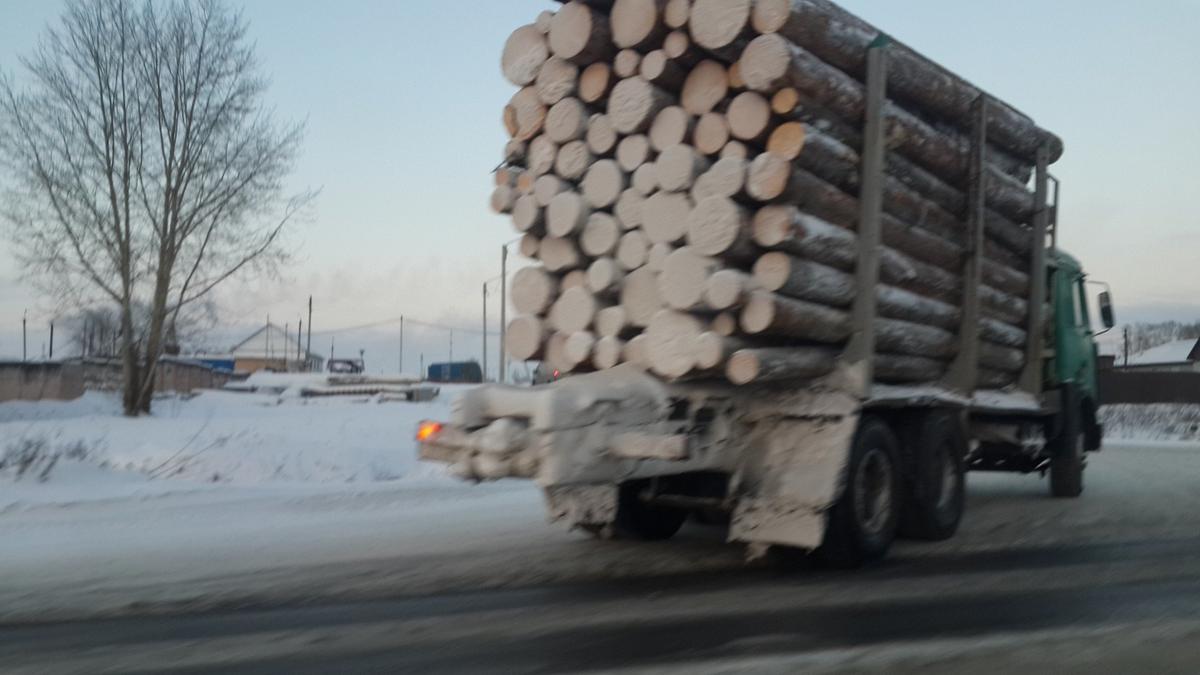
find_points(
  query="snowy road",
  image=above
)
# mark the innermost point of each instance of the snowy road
(1111, 578)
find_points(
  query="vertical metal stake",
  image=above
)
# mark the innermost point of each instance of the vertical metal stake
(504, 313)
(1031, 377)
(861, 348)
(964, 371)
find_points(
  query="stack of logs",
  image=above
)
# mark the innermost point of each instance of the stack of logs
(687, 173)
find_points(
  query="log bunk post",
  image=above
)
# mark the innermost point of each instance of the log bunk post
(963, 374)
(1045, 218)
(861, 347)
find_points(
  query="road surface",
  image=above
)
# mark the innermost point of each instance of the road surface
(1107, 582)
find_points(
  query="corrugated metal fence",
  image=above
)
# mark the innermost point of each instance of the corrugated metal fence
(1125, 386)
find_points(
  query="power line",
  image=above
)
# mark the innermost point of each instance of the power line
(396, 321)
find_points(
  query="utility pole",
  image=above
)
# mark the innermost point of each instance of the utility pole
(1126, 346)
(421, 375)
(287, 330)
(303, 359)
(485, 370)
(51, 340)
(451, 345)
(330, 347)
(503, 313)
(308, 347)
(401, 344)
(24, 337)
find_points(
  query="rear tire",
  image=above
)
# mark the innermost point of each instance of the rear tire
(638, 520)
(936, 495)
(1069, 452)
(862, 524)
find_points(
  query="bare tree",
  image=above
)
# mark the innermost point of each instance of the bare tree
(147, 169)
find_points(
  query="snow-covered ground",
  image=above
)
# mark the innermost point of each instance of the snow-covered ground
(1153, 422)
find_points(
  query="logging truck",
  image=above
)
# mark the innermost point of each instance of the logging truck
(796, 277)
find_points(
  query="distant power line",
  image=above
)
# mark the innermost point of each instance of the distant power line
(407, 321)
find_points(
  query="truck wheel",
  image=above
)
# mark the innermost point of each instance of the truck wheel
(862, 524)
(1067, 461)
(638, 520)
(936, 497)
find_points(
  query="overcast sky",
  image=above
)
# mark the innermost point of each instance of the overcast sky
(403, 101)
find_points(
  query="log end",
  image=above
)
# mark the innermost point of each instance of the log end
(683, 279)
(727, 289)
(765, 62)
(566, 214)
(719, 23)
(705, 87)
(671, 343)
(715, 225)
(749, 116)
(665, 216)
(787, 140)
(525, 337)
(773, 225)
(768, 177)
(743, 367)
(524, 53)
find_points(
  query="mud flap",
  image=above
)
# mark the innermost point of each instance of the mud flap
(582, 505)
(796, 470)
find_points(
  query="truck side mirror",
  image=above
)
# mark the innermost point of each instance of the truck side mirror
(1106, 310)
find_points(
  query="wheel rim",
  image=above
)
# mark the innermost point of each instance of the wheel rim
(873, 491)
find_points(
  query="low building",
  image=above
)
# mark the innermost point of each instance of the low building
(269, 348)
(1172, 357)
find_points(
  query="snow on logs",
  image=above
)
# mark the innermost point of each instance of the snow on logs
(685, 175)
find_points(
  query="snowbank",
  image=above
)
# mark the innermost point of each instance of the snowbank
(1151, 422)
(85, 449)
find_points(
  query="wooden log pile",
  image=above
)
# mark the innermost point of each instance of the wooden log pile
(686, 175)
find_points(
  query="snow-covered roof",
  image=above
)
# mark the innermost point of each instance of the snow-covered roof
(1179, 351)
(268, 342)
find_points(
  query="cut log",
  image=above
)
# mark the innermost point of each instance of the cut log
(607, 352)
(627, 63)
(604, 277)
(842, 39)
(679, 166)
(573, 311)
(1002, 333)
(529, 246)
(711, 133)
(725, 324)
(719, 226)
(770, 314)
(573, 160)
(573, 279)
(634, 103)
(633, 151)
(771, 62)
(545, 19)
(567, 213)
(749, 117)
(525, 338)
(503, 198)
(656, 258)
(524, 53)
(1003, 359)
(527, 216)
(543, 152)
(525, 183)
(600, 236)
(533, 290)
(514, 151)
(671, 127)
(629, 209)
(896, 303)
(557, 80)
(601, 137)
(678, 46)
(633, 250)
(799, 278)
(555, 354)
(645, 179)
(567, 120)
(595, 82)
(705, 87)
(720, 24)
(682, 282)
(726, 178)
(913, 339)
(728, 289)
(665, 216)
(559, 254)
(506, 176)
(787, 228)
(671, 343)
(638, 24)
(635, 352)
(525, 114)
(900, 369)
(547, 187)
(736, 149)
(676, 13)
(713, 351)
(603, 183)
(639, 297)
(581, 34)
(787, 140)
(661, 70)
(611, 322)
(775, 364)
(578, 348)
